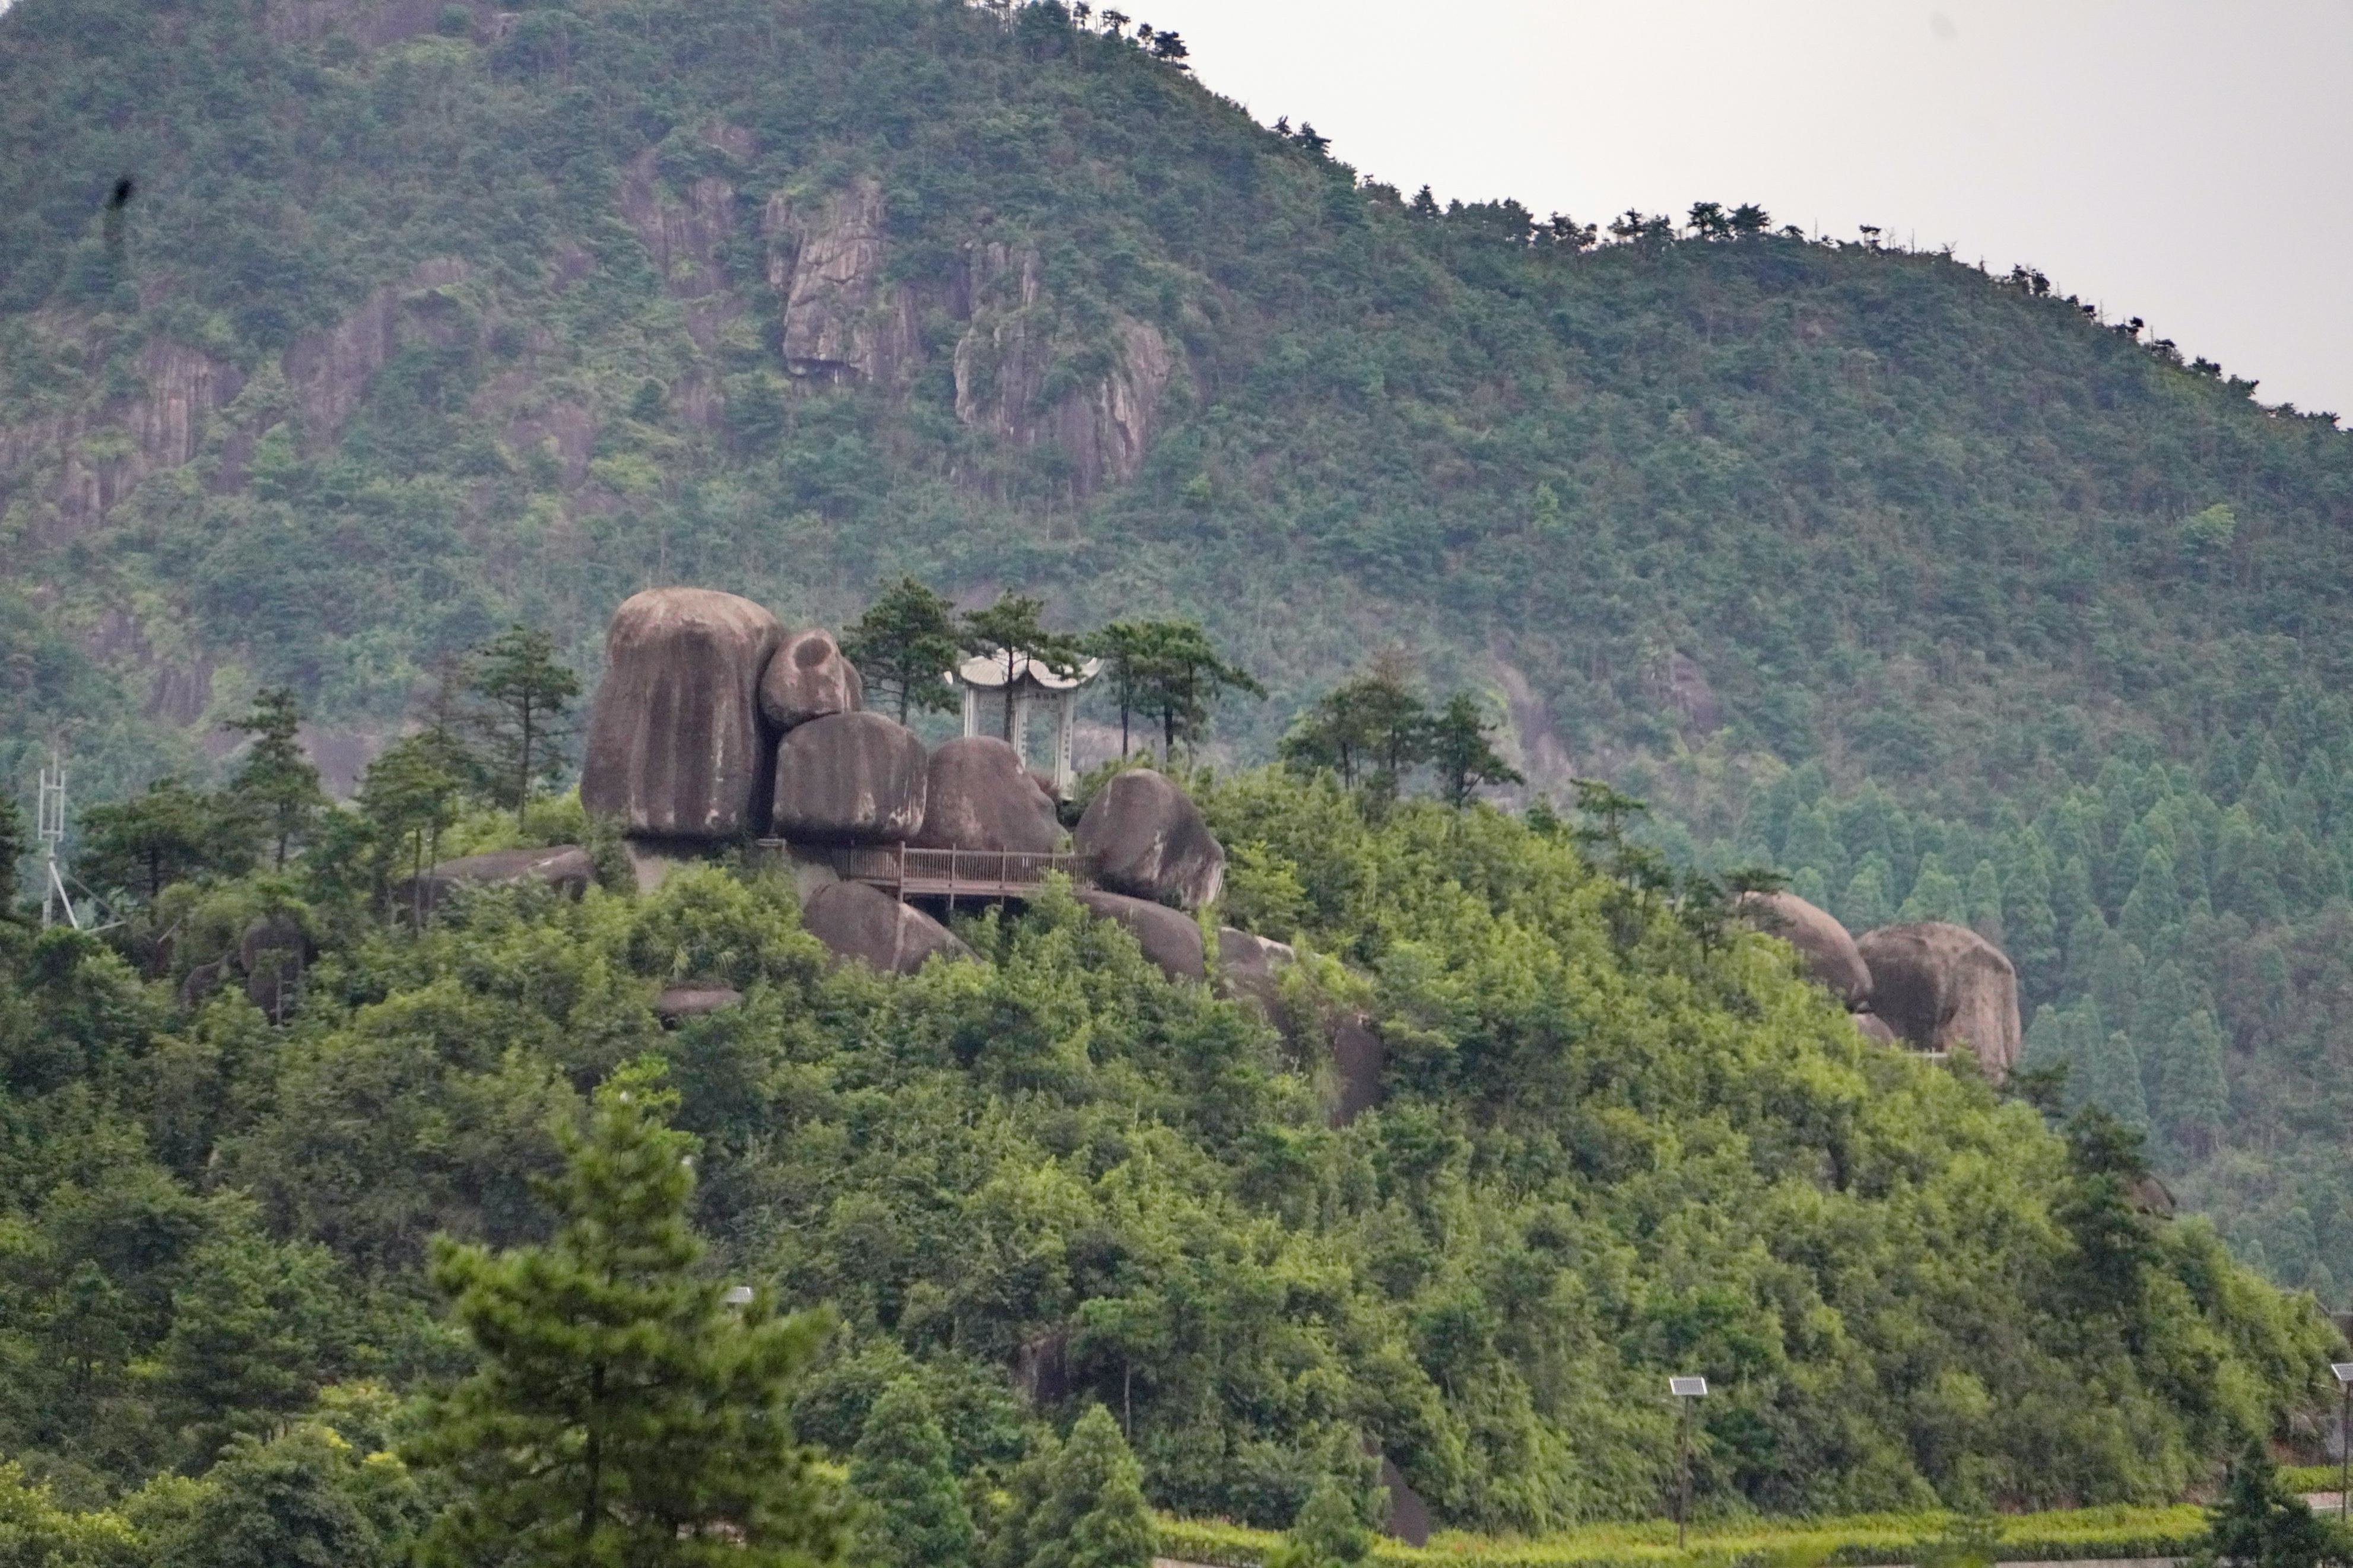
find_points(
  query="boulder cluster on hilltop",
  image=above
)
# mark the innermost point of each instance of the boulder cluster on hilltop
(1930, 984)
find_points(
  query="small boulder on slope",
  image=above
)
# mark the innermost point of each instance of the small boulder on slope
(1831, 956)
(850, 778)
(807, 677)
(1168, 937)
(676, 748)
(979, 798)
(1940, 985)
(856, 922)
(1143, 837)
(566, 868)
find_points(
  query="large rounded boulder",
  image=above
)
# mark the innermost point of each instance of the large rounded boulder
(850, 778)
(676, 749)
(807, 677)
(1939, 985)
(1830, 954)
(1143, 837)
(859, 925)
(980, 797)
(1168, 938)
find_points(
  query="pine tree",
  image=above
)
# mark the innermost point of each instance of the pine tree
(1864, 906)
(2195, 1098)
(903, 643)
(2153, 908)
(525, 694)
(1462, 753)
(1079, 1503)
(1011, 629)
(277, 784)
(1936, 895)
(12, 845)
(166, 834)
(2259, 1523)
(1329, 1530)
(915, 1514)
(1984, 902)
(624, 1411)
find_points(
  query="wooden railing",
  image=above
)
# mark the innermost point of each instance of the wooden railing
(951, 874)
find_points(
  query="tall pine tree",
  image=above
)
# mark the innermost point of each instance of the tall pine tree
(914, 1513)
(624, 1411)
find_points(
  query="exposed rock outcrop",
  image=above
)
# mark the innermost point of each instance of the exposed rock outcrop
(1250, 967)
(101, 456)
(980, 797)
(850, 778)
(1168, 938)
(808, 678)
(1941, 986)
(1407, 1518)
(565, 867)
(1143, 837)
(856, 922)
(683, 240)
(679, 1002)
(1830, 954)
(1359, 1059)
(330, 371)
(842, 318)
(275, 952)
(1002, 365)
(1874, 1028)
(675, 745)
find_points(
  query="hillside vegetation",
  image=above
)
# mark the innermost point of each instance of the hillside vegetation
(1619, 1139)
(425, 318)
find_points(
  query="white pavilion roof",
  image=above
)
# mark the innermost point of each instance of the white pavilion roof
(989, 673)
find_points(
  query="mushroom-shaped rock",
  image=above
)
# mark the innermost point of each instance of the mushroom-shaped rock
(1829, 952)
(679, 1002)
(850, 778)
(675, 745)
(1143, 837)
(1940, 985)
(1358, 1058)
(1247, 966)
(1168, 937)
(980, 798)
(273, 953)
(808, 679)
(565, 867)
(1872, 1028)
(854, 922)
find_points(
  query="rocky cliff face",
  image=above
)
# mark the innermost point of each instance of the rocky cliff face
(842, 318)
(1004, 359)
(82, 463)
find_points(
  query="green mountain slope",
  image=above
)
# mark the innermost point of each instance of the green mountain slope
(1615, 1144)
(426, 317)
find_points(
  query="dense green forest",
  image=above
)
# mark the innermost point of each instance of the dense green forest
(1921, 583)
(1620, 1137)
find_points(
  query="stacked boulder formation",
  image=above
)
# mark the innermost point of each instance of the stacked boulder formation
(714, 724)
(1930, 984)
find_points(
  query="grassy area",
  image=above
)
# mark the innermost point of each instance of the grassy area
(2070, 1534)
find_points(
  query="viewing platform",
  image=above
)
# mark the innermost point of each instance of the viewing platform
(982, 875)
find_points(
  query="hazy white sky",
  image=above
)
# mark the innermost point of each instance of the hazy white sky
(2191, 163)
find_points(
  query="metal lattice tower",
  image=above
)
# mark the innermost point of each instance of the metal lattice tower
(50, 819)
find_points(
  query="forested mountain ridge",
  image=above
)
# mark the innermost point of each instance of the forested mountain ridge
(421, 318)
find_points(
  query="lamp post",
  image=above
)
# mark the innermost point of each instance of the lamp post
(2344, 1371)
(1688, 1392)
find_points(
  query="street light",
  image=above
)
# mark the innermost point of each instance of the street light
(2344, 1371)
(1689, 1391)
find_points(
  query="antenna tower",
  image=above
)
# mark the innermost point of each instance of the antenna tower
(51, 819)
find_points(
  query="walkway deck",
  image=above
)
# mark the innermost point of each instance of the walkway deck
(982, 875)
